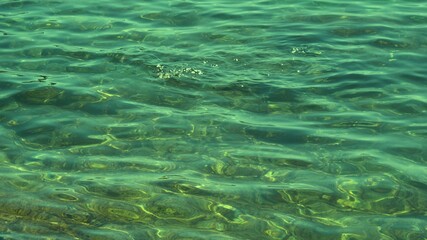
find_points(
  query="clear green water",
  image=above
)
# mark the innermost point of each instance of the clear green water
(262, 119)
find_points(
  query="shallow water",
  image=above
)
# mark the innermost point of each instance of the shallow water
(260, 119)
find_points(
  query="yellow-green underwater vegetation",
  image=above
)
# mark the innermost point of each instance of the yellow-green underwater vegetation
(216, 120)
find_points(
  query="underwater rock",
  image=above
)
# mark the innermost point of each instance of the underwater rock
(43, 95)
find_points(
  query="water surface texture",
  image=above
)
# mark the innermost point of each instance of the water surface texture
(219, 120)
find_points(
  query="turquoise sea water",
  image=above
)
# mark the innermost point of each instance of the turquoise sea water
(260, 119)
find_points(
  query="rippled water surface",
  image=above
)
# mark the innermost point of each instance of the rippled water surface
(184, 119)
